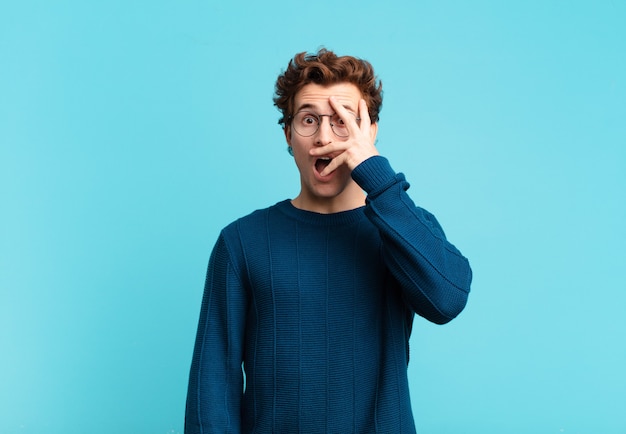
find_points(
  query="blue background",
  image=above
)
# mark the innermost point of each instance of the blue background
(132, 132)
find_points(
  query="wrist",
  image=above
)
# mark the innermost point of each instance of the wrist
(374, 173)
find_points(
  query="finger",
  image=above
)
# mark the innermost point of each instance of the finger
(332, 166)
(328, 149)
(364, 114)
(344, 114)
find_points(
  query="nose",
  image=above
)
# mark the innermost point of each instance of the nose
(325, 132)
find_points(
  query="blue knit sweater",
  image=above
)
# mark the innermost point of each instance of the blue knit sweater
(319, 308)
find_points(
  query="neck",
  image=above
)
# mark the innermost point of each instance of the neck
(348, 200)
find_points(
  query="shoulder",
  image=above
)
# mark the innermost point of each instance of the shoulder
(255, 219)
(248, 237)
(251, 226)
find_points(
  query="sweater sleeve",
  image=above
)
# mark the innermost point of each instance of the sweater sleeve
(434, 276)
(216, 380)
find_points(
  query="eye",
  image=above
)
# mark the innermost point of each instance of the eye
(308, 119)
(338, 122)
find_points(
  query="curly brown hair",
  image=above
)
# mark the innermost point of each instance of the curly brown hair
(326, 68)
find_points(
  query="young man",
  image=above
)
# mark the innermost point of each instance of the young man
(314, 298)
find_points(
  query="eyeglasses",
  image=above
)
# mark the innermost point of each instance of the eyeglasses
(306, 123)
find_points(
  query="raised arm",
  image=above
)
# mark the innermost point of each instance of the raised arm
(216, 380)
(433, 274)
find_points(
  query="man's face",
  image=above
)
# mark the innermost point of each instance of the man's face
(338, 186)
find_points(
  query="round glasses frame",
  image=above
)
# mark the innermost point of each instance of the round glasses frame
(306, 123)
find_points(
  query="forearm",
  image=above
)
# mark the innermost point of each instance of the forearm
(434, 276)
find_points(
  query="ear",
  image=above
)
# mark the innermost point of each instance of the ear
(373, 132)
(287, 131)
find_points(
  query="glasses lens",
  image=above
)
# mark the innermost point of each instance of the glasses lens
(305, 123)
(339, 127)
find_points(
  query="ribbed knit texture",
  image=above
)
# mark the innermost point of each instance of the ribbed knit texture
(319, 309)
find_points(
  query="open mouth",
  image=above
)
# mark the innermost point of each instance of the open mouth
(321, 163)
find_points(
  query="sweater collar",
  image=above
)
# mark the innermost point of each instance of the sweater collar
(314, 218)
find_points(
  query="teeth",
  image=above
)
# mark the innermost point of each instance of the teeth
(325, 158)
